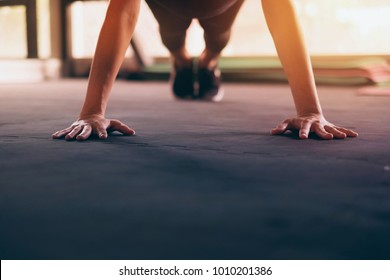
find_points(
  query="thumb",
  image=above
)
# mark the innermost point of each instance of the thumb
(121, 127)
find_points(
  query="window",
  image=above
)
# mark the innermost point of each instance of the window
(13, 32)
(346, 27)
(343, 27)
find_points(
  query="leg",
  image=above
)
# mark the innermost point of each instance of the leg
(217, 32)
(173, 28)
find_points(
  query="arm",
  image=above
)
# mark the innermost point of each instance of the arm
(285, 30)
(114, 38)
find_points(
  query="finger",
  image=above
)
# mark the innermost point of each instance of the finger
(85, 133)
(348, 132)
(101, 132)
(336, 133)
(305, 129)
(121, 127)
(321, 132)
(281, 128)
(75, 131)
(61, 133)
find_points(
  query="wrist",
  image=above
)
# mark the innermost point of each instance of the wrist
(314, 116)
(91, 111)
(309, 113)
(89, 115)
(315, 111)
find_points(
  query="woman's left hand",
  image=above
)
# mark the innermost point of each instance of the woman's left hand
(315, 123)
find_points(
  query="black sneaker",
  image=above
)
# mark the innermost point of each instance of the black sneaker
(210, 84)
(182, 80)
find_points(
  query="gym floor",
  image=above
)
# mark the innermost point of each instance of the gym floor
(198, 181)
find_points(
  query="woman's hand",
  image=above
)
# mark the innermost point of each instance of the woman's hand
(316, 124)
(85, 127)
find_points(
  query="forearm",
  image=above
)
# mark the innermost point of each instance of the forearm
(113, 42)
(284, 27)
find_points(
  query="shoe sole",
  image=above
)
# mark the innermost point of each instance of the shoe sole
(215, 98)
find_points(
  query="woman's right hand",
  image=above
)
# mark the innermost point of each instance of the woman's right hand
(83, 128)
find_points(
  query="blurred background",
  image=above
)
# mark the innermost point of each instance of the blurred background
(200, 180)
(42, 39)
